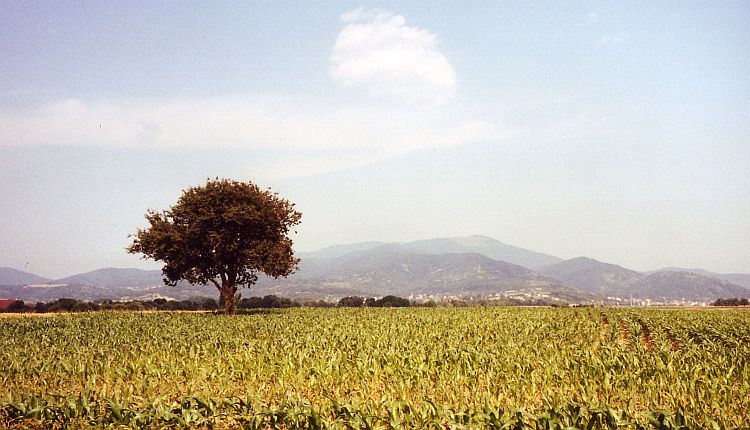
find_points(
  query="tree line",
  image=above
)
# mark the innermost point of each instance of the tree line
(73, 305)
(734, 301)
(195, 304)
(265, 302)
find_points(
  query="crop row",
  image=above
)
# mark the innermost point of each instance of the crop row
(455, 367)
(194, 412)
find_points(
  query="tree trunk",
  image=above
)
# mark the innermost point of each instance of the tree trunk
(227, 293)
(229, 296)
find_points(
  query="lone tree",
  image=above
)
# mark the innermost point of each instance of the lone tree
(224, 232)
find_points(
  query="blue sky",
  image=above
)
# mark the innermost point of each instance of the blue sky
(617, 131)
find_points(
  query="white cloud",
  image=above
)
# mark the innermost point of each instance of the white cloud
(377, 51)
(320, 137)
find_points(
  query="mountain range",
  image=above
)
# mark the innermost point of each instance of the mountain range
(610, 280)
(11, 276)
(482, 245)
(396, 269)
(473, 266)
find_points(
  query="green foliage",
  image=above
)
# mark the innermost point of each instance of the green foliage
(224, 232)
(341, 368)
(73, 305)
(352, 301)
(390, 302)
(731, 302)
(267, 302)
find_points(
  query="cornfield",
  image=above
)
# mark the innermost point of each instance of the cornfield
(441, 368)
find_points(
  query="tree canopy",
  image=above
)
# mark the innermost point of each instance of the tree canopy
(224, 232)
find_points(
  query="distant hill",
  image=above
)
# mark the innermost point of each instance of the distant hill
(395, 269)
(10, 276)
(486, 246)
(367, 271)
(593, 276)
(112, 277)
(106, 284)
(685, 285)
(472, 266)
(695, 270)
(742, 279)
(387, 272)
(609, 280)
(336, 251)
(46, 292)
(483, 245)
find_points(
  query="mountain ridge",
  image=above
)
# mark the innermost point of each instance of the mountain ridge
(610, 280)
(11, 276)
(692, 286)
(421, 268)
(113, 276)
(742, 279)
(449, 245)
(593, 276)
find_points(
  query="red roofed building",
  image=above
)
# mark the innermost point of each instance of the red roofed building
(5, 304)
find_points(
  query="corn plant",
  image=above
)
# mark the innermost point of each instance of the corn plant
(502, 368)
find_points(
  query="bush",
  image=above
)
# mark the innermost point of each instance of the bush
(391, 302)
(266, 302)
(352, 301)
(730, 302)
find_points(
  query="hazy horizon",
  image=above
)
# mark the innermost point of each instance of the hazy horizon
(619, 132)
